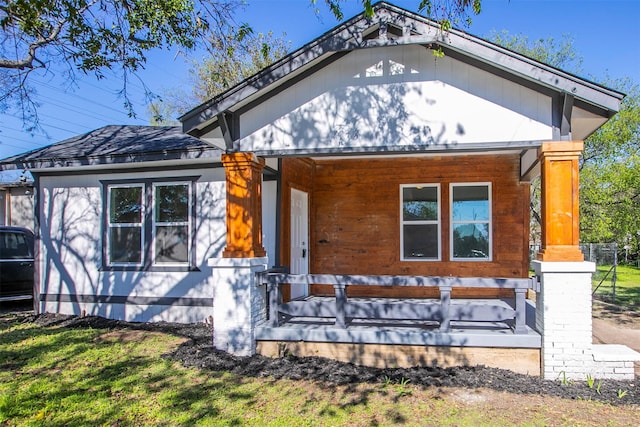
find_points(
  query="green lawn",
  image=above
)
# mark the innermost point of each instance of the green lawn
(627, 289)
(52, 376)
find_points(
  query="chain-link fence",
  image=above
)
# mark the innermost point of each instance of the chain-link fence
(605, 256)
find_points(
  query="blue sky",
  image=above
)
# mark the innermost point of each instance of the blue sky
(606, 33)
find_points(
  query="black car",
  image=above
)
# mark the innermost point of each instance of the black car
(16, 263)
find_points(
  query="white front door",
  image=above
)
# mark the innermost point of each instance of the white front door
(299, 240)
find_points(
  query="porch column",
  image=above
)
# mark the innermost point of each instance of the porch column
(244, 205)
(563, 304)
(239, 304)
(559, 204)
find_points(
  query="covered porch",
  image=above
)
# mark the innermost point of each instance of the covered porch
(395, 188)
(353, 292)
(392, 260)
(416, 249)
(358, 293)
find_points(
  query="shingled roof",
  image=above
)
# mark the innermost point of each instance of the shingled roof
(115, 145)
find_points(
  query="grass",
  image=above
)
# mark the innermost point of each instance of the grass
(627, 292)
(51, 376)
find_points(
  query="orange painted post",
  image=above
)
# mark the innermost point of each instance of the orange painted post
(560, 210)
(244, 205)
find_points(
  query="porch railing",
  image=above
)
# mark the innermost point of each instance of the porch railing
(440, 310)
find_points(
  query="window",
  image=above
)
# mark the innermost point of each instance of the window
(471, 221)
(420, 222)
(125, 225)
(171, 223)
(149, 224)
(15, 245)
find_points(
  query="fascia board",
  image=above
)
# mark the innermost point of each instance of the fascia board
(130, 160)
(534, 71)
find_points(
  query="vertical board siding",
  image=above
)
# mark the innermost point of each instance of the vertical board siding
(355, 218)
(396, 96)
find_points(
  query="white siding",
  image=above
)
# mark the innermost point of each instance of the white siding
(16, 207)
(71, 250)
(21, 207)
(4, 208)
(396, 96)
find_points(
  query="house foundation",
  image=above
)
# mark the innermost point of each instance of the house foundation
(521, 360)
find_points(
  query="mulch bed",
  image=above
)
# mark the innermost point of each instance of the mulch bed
(197, 351)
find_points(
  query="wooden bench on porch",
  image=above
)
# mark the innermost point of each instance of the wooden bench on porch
(443, 311)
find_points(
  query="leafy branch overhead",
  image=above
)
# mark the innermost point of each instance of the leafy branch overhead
(448, 13)
(63, 37)
(93, 34)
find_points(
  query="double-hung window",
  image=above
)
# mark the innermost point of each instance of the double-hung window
(171, 223)
(149, 224)
(471, 221)
(420, 222)
(125, 224)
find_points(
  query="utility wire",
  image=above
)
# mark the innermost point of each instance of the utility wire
(75, 95)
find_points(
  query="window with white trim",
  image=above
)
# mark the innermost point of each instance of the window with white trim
(471, 221)
(420, 222)
(149, 224)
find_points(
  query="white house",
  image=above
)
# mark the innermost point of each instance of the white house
(388, 185)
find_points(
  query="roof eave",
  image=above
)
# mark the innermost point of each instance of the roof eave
(299, 59)
(133, 160)
(535, 71)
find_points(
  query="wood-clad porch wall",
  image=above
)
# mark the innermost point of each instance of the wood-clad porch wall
(295, 173)
(355, 218)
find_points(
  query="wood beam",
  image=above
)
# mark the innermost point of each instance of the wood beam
(559, 201)
(228, 123)
(565, 124)
(244, 205)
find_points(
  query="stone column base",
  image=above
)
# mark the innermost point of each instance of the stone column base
(238, 303)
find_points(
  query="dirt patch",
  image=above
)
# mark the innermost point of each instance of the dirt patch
(616, 314)
(197, 351)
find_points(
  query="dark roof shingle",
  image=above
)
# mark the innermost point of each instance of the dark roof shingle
(115, 144)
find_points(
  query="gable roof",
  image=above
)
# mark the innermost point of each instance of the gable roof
(393, 26)
(111, 145)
